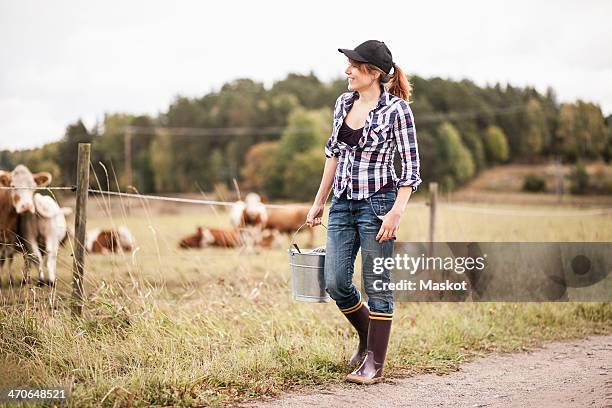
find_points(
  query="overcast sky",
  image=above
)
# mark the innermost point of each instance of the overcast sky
(64, 60)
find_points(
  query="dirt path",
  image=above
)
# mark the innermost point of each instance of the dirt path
(562, 374)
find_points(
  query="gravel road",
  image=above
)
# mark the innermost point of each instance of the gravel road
(575, 373)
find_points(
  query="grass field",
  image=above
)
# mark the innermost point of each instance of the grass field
(216, 326)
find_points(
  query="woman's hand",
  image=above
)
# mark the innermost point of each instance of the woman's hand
(314, 215)
(390, 225)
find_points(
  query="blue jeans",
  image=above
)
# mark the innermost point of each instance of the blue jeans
(353, 224)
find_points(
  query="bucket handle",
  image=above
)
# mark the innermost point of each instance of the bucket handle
(293, 237)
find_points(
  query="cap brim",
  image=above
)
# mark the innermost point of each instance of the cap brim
(352, 54)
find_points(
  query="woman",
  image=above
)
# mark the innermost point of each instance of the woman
(370, 122)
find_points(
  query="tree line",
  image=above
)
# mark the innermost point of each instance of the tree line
(462, 129)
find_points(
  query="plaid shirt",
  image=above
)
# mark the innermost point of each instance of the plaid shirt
(365, 168)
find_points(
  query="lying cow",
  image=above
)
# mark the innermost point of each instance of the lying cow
(31, 222)
(192, 241)
(204, 237)
(103, 241)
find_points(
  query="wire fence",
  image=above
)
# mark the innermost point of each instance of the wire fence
(451, 206)
(72, 188)
(528, 213)
(167, 198)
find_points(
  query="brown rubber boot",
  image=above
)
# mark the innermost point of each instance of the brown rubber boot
(371, 370)
(358, 315)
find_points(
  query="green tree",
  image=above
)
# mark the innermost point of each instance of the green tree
(527, 120)
(6, 160)
(302, 180)
(108, 151)
(162, 163)
(471, 140)
(536, 132)
(142, 170)
(306, 130)
(496, 144)
(67, 152)
(217, 165)
(308, 89)
(457, 159)
(581, 132)
(261, 170)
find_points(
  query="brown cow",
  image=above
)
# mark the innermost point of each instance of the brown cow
(102, 241)
(289, 219)
(18, 218)
(253, 216)
(205, 237)
(192, 241)
(221, 238)
(8, 232)
(226, 238)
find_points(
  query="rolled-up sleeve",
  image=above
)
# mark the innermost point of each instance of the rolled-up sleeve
(331, 149)
(405, 136)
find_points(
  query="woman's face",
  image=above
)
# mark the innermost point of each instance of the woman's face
(356, 79)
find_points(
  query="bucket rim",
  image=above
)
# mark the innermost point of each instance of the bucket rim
(293, 251)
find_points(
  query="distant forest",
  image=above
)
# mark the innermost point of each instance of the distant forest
(272, 140)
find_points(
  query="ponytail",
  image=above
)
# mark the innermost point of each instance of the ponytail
(399, 84)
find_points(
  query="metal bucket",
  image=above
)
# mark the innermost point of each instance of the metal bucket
(307, 273)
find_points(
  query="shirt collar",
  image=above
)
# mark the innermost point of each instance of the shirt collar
(383, 100)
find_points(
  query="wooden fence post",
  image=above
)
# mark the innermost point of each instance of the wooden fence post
(433, 198)
(80, 225)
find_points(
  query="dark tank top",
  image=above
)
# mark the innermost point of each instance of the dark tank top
(351, 137)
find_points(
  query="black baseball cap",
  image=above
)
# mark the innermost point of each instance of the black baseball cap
(372, 51)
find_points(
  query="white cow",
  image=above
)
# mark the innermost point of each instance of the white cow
(250, 212)
(105, 240)
(42, 223)
(51, 229)
(249, 217)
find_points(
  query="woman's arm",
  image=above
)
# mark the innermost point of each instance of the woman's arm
(405, 136)
(316, 212)
(391, 220)
(327, 181)
(403, 195)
